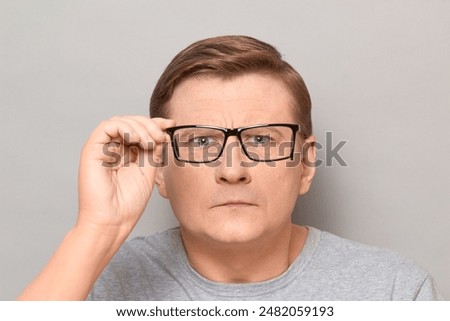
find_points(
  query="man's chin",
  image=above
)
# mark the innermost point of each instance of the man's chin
(235, 234)
(229, 227)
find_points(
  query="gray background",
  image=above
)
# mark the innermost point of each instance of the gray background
(378, 72)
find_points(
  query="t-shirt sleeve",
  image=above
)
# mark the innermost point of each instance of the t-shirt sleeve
(428, 291)
(106, 288)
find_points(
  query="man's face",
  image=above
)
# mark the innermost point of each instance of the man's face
(225, 201)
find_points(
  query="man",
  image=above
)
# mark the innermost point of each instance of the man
(230, 145)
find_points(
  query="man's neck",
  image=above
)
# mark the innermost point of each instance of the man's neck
(251, 262)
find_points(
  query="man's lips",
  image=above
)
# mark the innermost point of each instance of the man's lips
(234, 204)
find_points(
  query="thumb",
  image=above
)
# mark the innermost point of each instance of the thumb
(152, 160)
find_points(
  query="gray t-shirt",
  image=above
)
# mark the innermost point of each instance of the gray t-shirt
(328, 268)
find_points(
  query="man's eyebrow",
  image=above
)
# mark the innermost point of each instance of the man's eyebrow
(267, 129)
(271, 129)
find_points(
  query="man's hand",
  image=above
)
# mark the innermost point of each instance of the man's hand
(117, 172)
(116, 179)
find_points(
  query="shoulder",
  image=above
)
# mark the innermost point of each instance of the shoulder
(358, 253)
(152, 248)
(375, 271)
(164, 239)
(139, 265)
(354, 255)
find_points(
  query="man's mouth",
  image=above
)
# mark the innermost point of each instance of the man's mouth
(237, 203)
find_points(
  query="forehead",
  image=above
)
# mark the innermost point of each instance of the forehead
(241, 101)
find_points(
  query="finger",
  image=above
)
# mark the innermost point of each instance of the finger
(152, 146)
(164, 123)
(115, 130)
(153, 161)
(149, 137)
(155, 126)
(149, 129)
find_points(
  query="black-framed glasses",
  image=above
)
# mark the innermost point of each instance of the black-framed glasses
(261, 143)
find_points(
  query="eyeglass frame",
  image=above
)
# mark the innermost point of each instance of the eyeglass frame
(232, 132)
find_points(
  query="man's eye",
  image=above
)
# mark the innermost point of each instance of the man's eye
(202, 141)
(258, 140)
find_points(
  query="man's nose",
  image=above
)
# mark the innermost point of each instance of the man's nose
(230, 168)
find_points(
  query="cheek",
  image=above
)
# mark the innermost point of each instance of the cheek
(282, 184)
(285, 176)
(175, 178)
(186, 185)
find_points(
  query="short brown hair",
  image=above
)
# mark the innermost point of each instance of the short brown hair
(228, 57)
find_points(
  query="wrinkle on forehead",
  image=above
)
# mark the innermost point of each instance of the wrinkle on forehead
(241, 101)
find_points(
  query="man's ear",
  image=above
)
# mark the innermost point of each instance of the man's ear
(161, 182)
(308, 164)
